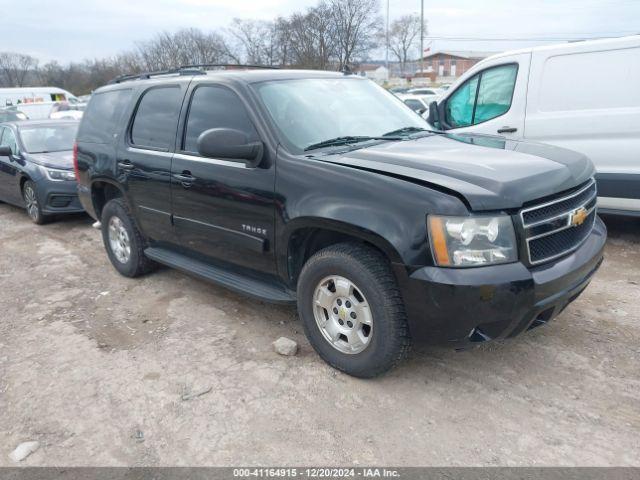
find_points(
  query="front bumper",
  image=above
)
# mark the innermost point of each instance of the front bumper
(58, 197)
(462, 307)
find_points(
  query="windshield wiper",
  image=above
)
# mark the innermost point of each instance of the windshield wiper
(404, 130)
(333, 142)
(346, 140)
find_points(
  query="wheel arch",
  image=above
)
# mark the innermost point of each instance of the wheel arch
(102, 191)
(306, 236)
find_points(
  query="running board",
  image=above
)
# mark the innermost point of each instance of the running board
(233, 281)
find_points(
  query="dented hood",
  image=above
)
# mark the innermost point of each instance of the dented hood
(491, 173)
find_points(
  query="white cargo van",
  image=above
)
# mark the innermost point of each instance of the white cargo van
(583, 95)
(35, 102)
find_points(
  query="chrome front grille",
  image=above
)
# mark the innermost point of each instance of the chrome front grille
(558, 227)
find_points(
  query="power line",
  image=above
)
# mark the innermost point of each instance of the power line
(537, 39)
(531, 39)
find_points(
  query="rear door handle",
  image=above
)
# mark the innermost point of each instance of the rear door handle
(507, 130)
(126, 165)
(185, 178)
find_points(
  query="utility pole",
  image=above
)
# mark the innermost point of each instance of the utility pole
(386, 60)
(421, 37)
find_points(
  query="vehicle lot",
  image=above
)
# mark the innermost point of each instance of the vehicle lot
(99, 369)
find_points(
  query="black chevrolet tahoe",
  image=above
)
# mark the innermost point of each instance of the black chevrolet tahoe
(323, 189)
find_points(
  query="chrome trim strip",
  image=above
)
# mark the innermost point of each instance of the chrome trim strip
(558, 200)
(211, 161)
(143, 207)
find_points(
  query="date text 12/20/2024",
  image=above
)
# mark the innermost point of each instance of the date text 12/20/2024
(315, 473)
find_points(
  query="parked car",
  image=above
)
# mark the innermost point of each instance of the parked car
(11, 115)
(428, 92)
(399, 90)
(67, 111)
(36, 167)
(416, 103)
(546, 94)
(321, 189)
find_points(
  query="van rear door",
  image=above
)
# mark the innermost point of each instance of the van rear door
(490, 98)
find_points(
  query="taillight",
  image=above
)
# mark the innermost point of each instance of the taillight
(75, 161)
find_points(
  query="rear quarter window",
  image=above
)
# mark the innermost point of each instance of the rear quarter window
(156, 118)
(103, 116)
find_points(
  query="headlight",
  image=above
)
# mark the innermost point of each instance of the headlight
(472, 241)
(59, 175)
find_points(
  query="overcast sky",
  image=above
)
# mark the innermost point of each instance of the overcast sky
(66, 30)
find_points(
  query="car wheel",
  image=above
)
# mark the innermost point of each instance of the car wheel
(352, 310)
(32, 205)
(123, 241)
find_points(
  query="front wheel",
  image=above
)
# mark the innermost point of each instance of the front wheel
(32, 204)
(352, 310)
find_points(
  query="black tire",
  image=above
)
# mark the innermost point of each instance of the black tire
(32, 203)
(370, 271)
(137, 263)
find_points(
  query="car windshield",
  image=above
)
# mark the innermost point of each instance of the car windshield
(310, 111)
(48, 138)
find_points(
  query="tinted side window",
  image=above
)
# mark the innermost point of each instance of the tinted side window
(495, 92)
(472, 103)
(103, 116)
(414, 105)
(459, 107)
(9, 140)
(156, 119)
(215, 107)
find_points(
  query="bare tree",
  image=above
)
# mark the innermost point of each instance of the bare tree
(185, 47)
(357, 24)
(313, 38)
(403, 35)
(15, 68)
(332, 34)
(255, 39)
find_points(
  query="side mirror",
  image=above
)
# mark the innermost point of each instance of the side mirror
(230, 144)
(434, 115)
(5, 151)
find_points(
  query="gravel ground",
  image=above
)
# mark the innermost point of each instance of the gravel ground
(168, 370)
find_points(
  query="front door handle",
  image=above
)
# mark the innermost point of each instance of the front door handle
(185, 178)
(507, 130)
(126, 165)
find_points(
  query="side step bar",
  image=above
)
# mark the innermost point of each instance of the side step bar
(233, 281)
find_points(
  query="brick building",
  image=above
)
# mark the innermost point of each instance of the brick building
(449, 65)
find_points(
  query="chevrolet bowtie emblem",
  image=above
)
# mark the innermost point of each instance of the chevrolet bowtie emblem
(578, 216)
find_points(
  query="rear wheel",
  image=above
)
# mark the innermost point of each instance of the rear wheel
(32, 204)
(123, 241)
(352, 310)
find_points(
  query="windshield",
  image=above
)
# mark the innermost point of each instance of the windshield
(314, 110)
(48, 138)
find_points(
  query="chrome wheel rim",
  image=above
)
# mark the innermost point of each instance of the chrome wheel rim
(119, 240)
(343, 315)
(31, 202)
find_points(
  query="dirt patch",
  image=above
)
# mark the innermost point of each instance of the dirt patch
(169, 370)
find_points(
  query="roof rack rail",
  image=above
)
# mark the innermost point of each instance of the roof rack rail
(148, 75)
(238, 66)
(195, 69)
